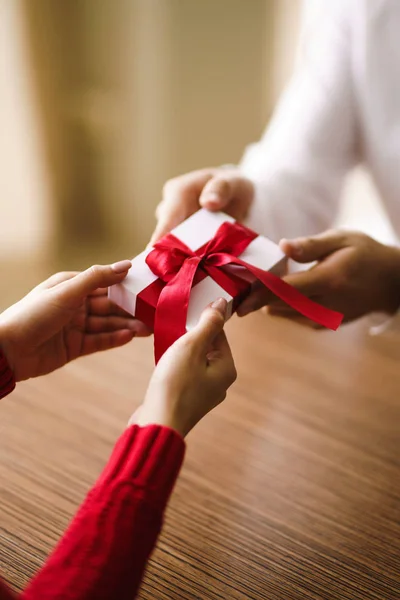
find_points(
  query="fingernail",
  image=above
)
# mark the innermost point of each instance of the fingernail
(121, 266)
(291, 246)
(141, 330)
(211, 198)
(221, 305)
(296, 247)
(244, 310)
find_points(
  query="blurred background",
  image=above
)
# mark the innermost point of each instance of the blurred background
(101, 101)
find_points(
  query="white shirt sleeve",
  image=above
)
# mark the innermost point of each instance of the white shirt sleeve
(299, 165)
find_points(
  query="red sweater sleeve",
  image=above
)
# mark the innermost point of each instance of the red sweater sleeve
(103, 554)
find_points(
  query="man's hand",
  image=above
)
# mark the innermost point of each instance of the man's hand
(214, 189)
(66, 316)
(353, 274)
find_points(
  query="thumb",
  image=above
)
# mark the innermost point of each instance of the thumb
(209, 327)
(217, 193)
(163, 227)
(305, 250)
(230, 192)
(87, 282)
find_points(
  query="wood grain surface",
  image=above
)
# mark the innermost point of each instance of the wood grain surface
(290, 489)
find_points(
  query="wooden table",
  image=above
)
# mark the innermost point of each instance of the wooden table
(290, 490)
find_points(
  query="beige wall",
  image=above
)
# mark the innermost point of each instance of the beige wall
(133, 92)
(129, 93)
(201, 101)
(193, 96)
(287, 22)
(25, 219)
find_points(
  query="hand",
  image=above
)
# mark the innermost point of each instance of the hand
(66, 316)
(354, 275)
(214, 189)
(192, 377)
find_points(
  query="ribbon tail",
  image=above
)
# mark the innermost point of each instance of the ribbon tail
(172, 308)
(291, 296)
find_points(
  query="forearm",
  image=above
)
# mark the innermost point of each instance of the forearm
(103, 554)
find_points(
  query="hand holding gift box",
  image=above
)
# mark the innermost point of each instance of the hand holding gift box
(206, 257)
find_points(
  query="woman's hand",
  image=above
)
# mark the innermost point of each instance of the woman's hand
(214, 189)
(66, 316)
(353, 274)
(192, 377)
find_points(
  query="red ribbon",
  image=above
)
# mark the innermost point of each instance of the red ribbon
(178, 267)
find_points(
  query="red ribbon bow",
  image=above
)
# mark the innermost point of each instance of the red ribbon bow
(180, 268)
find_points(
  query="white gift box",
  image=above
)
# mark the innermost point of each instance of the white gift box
(195, 232)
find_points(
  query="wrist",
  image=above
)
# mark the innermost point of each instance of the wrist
(162, 421)
(158, 415)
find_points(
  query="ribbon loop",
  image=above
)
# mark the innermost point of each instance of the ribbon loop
(179, 268)
(167, 258)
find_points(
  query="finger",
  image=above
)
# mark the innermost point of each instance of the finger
(292, 315)
(217, 193)
(101, 305)
(180, 201)
(220, 361)
(284, 311)
(211, 323)
(141, 330)
(73, 291)
(95, 324)
(219, 346)
(97, 342)
(311, 282)
(261, 296)
(186, 187)
(231, 193)
(99, 292)
(309, 249)
(277, 304)
(165, 225)
(55, 280)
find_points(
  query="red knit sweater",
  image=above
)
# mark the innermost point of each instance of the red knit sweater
(103, 554)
